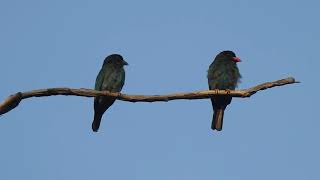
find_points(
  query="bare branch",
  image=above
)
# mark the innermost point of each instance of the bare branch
(13, 101)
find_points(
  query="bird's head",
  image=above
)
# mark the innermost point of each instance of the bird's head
(116, 60)
(228, 56)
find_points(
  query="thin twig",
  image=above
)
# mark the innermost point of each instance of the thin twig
(13, 101)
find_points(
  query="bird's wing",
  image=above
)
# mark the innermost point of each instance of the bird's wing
(103, 74)
(214, 78)
(99, 80)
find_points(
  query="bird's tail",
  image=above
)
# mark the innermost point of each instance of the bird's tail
(217, 119)
(96, 122)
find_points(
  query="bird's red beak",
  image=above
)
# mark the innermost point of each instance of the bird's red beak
(236, 59)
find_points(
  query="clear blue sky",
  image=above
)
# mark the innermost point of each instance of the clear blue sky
(169, 46)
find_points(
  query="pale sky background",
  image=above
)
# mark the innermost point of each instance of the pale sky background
(169, 46)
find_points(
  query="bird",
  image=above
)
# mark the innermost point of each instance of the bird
(223, 74)
(110, 78)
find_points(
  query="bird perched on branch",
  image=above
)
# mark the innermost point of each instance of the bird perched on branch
(223, 74)
(110, 78)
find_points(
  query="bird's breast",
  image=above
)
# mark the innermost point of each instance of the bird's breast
(114, 81)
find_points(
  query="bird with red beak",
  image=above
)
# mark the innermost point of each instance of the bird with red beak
(223, 74)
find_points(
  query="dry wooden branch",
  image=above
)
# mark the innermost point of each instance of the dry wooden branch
(13, 101)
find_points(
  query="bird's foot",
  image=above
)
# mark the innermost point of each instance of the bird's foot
(228, 91)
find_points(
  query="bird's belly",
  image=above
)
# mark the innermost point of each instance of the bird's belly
(223, 82)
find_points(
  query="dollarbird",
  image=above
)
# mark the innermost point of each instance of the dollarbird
(223, 74)
(110, 78)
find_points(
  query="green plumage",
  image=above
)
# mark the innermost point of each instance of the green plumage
(223, 74)
(110, 78)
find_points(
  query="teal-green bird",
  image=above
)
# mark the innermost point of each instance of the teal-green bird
(110, 78)
(223, 74)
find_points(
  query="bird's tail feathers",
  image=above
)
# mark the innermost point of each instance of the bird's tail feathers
(217, 119)
(96, 122)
